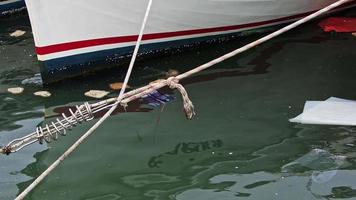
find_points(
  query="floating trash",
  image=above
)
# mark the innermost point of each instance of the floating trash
(333, 111)
(98, 94)
(118, 86)
(157, 98)
(42, 94)
(338, 24)
(317, 159)
(35, 80)
(354, 34)
(16, 90)
(17, 33)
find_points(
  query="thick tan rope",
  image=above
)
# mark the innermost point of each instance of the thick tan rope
(172, 82)
(127, 97)
(150, 88)
(188, 106)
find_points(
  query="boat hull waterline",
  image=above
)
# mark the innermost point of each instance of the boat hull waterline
(11, 6)
(74, 37)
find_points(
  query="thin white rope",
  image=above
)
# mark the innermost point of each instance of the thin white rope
(20, 143)
(149, 88)
(97, 124)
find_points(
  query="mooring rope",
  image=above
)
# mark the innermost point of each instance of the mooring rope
(86, 111)
(97, 124)
(67, 122)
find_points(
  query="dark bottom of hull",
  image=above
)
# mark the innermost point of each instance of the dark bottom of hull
(63, 68)
(12, 8)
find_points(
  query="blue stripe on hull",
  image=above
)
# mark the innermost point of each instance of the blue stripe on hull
(61, 68)
(12, 7)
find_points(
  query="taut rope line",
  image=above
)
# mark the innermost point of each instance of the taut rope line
(61, 125)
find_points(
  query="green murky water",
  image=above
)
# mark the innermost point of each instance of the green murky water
(240, 145)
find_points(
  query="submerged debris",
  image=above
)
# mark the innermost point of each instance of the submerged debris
(42, 94)
(17, 33)
(118, 86)
(15, 90)
(157, 98)
(317, 159)
(35, 80)
(98, 94)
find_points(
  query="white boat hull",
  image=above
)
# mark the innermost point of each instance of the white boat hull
(73, 33)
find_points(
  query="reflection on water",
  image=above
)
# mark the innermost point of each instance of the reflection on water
(10, 168)
(240, 146)
(185, 148)
(263, 185)
(316, 159)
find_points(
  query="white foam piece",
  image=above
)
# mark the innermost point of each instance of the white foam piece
(333, 111)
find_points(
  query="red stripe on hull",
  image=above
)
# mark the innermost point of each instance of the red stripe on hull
(132, 38)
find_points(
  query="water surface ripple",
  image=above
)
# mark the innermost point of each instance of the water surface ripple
(240, 145)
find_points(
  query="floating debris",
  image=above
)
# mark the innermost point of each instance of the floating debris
(42, 94)
(350, 145)
(172, 72)
(98, 94)
(15, 90)
(118, 86)
(157, 98)
(17, 33)
(333, 111)
(339, 24)
(317, 159)
(35, 80)
(354, 34)
(9, 99)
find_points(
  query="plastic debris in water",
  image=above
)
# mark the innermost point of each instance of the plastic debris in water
(333, 111)
(156, 98)
(338, 24)
(35, 80)
(354, 34)
(317, 159)
(15, 90)
(118, 86)
(17, 33)
(98, 94)
(42, 94)
(322, 163)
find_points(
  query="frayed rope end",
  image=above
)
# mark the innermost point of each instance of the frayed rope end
(173, 83)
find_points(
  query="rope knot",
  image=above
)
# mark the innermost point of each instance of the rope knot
(173, 83)
(124, 105)
(5, 150)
